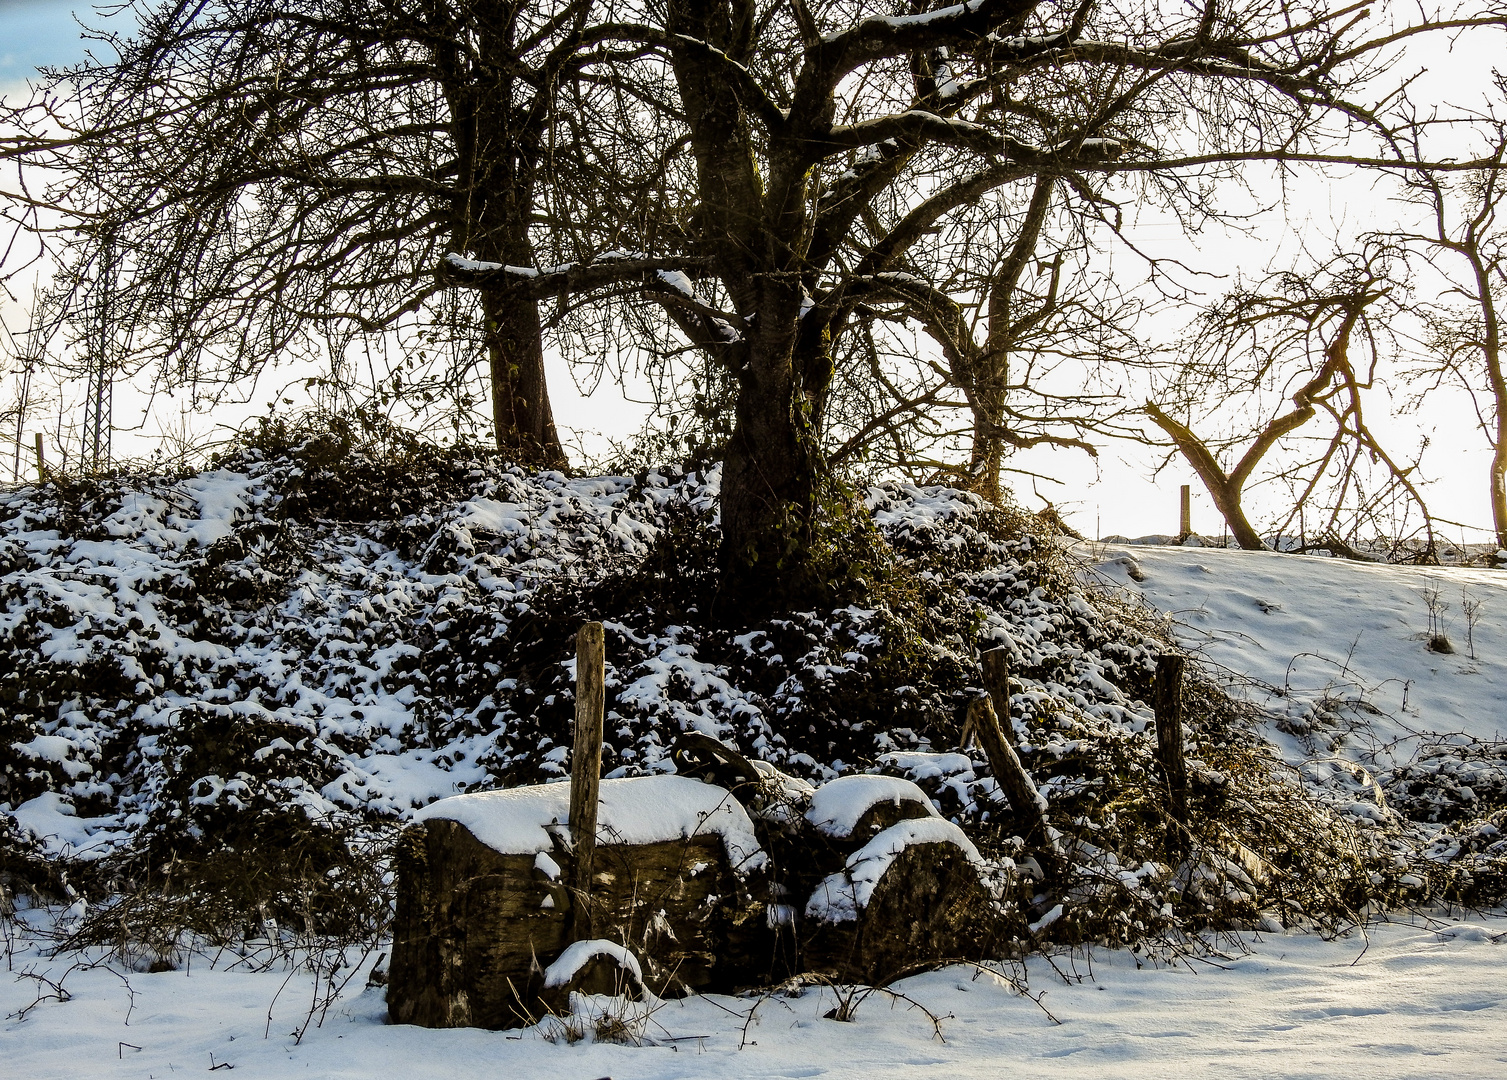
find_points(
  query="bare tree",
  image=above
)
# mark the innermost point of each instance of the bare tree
(1005, 330)
(809, 124)
(1299, 331)
(279, 172)
(1464, 239)
(295, 163)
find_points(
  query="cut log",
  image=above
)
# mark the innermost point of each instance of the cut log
(482, 910)
(702, 756)
(910, 898)
(470, 926)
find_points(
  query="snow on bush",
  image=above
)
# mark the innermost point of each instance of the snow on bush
(184, 653)
(320, 634)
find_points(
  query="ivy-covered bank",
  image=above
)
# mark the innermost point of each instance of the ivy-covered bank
(226, 680)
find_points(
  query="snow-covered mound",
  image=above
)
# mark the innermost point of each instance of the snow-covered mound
(1311, 633)
(314, 636)
(310, 632)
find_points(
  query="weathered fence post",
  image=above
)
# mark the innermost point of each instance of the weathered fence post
(1168, 694)
(1185, 520)
(984, 722)
(586, 770)
(41, 461)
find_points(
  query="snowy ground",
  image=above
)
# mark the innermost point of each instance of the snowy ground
(1415, 999)
(1336, 653)
(1312, 628)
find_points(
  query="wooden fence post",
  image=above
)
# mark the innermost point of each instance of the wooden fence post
(1185, 519)
(984, 722)
(41, 461)
(586, 770)
(995, 664)
(1168, 694)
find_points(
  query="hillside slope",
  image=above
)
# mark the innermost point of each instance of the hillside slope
(1338, 657)
(301, 647)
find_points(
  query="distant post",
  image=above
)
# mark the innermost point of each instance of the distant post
(586, 770)
(1185, 521)
(1168, 694)
(41, 461)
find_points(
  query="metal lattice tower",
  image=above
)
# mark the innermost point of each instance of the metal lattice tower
(23, 402)
(99, 403)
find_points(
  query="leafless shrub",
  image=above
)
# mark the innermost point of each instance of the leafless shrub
(1438, 608)
(1470, 606)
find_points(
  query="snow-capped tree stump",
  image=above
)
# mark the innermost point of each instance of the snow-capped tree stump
(910, 898)
(470, 924)
(902, 888)
(483, 909)
(846, 813)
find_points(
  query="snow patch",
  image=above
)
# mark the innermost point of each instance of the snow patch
(580, 953)
(837, 805)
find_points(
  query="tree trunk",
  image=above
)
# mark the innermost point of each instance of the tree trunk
(523, 424)
(1497, 379)
(771, 478)
(1007, 322)
(1225, 490)
(1499, 486)
(497, 135)
(988, 454)
(1227, 498)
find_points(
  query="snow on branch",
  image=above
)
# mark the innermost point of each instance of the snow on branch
(544, 283)
(920, 125)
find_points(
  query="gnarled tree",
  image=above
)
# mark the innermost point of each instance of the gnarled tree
(1463, 237)
(1320, 336)
(833, 146)
(276, 173)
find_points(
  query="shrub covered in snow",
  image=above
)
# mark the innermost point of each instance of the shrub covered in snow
(321, 634)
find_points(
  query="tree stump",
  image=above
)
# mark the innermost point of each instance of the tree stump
(851, 810)
(922, 905)
(477, 924)
(469, 928)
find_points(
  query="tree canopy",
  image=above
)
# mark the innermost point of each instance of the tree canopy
(776, 186)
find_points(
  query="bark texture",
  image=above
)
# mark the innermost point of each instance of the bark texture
(475, 929)
(928, 908)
